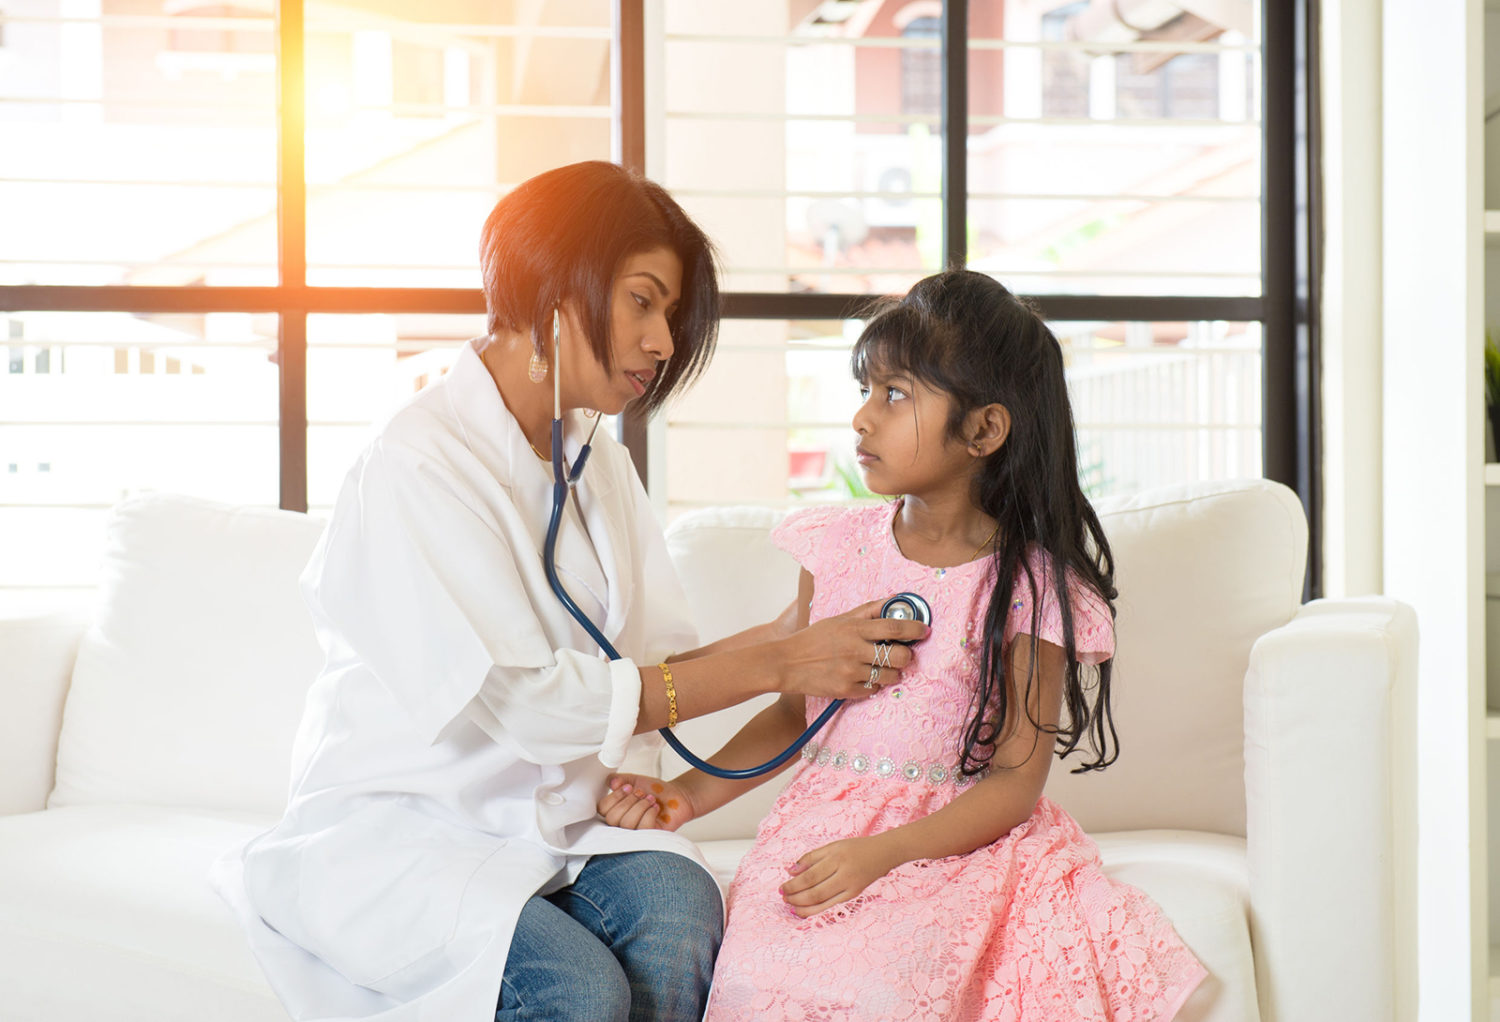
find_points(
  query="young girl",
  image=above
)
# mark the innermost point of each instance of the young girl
(912, 868)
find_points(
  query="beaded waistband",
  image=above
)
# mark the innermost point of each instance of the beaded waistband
(885, 767)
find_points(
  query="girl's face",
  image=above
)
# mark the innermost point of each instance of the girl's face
(904, 445)
(645, 296)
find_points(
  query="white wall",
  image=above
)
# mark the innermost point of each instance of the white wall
(1351, 298)
(1432, 500)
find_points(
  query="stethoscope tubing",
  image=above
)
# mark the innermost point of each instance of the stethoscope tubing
(560, 486)
(563, 481)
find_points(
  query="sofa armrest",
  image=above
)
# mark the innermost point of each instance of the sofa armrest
(1330, 768)
(38, 644)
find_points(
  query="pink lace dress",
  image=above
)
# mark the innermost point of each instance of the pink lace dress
(1027, 928)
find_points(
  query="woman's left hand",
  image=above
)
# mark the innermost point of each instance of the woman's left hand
(836, 872)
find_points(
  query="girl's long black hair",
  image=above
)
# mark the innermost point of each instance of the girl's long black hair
(965, 334)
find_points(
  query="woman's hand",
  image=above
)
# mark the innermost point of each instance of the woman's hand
(638, 802)
(836, 872)
(846, 657)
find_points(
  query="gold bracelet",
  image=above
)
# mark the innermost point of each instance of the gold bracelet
(666, 677)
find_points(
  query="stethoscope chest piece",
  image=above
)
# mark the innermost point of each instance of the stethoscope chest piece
(907, 607)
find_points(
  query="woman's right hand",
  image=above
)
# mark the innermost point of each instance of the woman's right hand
(850, 656)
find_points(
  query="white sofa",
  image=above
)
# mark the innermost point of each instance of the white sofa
(146, 731)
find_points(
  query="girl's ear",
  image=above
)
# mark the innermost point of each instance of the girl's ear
(989, 427)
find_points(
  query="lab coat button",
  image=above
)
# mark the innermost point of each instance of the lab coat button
(552, 798)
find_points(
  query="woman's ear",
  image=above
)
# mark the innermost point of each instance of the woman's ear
(988, 428)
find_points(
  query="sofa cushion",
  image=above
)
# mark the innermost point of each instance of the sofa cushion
(190, 682)
(1203, 571)
(109, 915)
(734, 578)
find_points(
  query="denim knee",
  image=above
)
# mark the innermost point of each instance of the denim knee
(558, 971)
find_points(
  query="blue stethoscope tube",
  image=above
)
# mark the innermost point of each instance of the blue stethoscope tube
(563, 481)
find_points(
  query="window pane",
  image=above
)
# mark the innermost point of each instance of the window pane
(94, 406)
(1154, 404)
(784, 439)
(360, 369)
(138, 149)
(417, 123)
(816, 165)
(1115, 155)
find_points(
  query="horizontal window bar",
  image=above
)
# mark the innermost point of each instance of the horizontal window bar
(737, 305)
(681, 193)
(974, 119)
(186, 423)
(788, 193)
(709, 115)
(126, 298)
(262, 23)
(140, 264)
(353, 23)
(123, 182)
(861, 271)
(268, 108)
(1060, 308)
(778, 426)
(932, 43)
(559, 112)
(1120, 350)
(190, 343)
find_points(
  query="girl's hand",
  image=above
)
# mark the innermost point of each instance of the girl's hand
(834, 873)
(834, 657)
(638, 802)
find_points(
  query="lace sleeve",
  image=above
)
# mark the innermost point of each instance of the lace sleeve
(805, 534)
(1093, 626)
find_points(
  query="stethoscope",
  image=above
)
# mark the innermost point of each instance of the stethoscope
(902, 606)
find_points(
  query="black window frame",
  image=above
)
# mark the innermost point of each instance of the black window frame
(1286, 308)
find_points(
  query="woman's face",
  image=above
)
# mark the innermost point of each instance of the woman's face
(645, 296)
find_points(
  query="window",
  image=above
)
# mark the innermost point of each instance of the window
(921, 84)
(1114, 172)
(157, 138)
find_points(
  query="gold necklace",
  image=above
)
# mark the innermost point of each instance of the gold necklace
(980, 549)
(539, 454)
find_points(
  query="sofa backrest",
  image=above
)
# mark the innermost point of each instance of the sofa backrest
(189, 684)
(1203, 571)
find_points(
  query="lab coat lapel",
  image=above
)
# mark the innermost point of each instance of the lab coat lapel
(606, 519)
(492, 433)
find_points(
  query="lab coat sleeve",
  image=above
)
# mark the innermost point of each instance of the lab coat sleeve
(427, 594)
(564, 713)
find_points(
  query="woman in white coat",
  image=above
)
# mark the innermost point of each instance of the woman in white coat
(440, 856)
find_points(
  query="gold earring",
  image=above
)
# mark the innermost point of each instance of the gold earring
(536, 367)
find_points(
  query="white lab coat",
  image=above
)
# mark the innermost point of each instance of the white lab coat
(453, 748)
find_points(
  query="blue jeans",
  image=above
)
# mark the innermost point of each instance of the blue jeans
(633, 938)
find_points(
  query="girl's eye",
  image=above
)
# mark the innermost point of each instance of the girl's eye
(892, 394)
(641, 300)
(864, 393)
